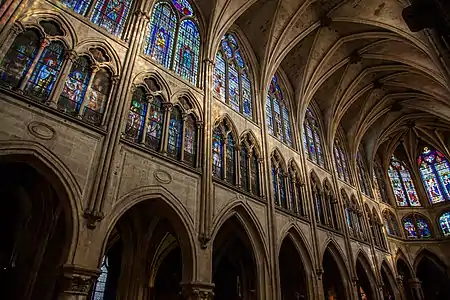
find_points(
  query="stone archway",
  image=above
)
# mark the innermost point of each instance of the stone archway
(334, 280)
(390, 290)
(432, 273)
(35, 229)
(366, 279)
(293, 277)
(234, 264)
(405, 277)
(147, 255)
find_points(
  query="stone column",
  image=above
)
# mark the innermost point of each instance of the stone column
(77, 282)
(149, 99)
(83, 104)
(318, 284)
(198, 291)
(416, 288)
(6, 44)
(287, 190)
(237, 167)
(167, 107)
(27, 76)
(261, 176)
(70, 57)
(183, 133)
(401, 287)
(199, 143)
(114, 81)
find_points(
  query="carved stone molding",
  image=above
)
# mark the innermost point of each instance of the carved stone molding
(41, 130)
(162, 176)
(93, 217)
(77, 280)
(198, 291)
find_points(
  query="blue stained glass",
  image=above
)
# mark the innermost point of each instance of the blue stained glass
(184, 7)
(275, 185)
(338, 162)
(161, 33)
(312, 147)
(409, 187)
(19, 58)
(305, 142)
(111, 15)
(435, 171)
(269, 119)
(277, 118)
(231, 161)
(281, 182)
(136, 116)
(444, 222)
(46, 71)
(411, 231)
(175, 134)
(100, 284)
(219, 76)
(187, 51)
(318, 147)
(247, 95)
(423, 228)
(244, 168)
(227, 49)
(78, 6)
(233, 87)
(232, 40)
(154, 129)
(75, 86)
(190, 141)
(344, 166)
(287, 126)
(217, 151)
(239, 60)
(254, 174)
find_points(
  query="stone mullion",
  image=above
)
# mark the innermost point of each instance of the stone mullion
(198, 144)
(94, 70)
(45, 42)
(167, 106)
(287, 190)
(118, 112)
(7, 43)
(294, 201)
(250, 172)
(149, 99)
(59, 84)
(260, 176)
(105, 115)
(237, 161)
(224, 157)
(183, 132)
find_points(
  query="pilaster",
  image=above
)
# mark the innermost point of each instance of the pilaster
(198, 291)
(76, 282)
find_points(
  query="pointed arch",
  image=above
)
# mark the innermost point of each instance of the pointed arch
(363, 175)
(112, 59)
(429, 254)
(279, 179)
(417, 226)
(250, 163)
(334, 252)
(313, 140)
(364, 269)
(402, 184)
(318, 198)
(340, 154)
(225, 150)
(435, 173)
(296, 185)
(330, 206)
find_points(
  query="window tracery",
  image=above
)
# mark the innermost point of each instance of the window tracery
(330, 205)
(112, 15)
(416, 226)
(317, 194)
(277, 113)
(296, 190)
(341, 162)
(391, 224)
(224, 152)
(249, 165)
(279, 180)
(312, 140)
(354, 217)
(402, 184)
(173, 38)
(435, 172)
(362, 175)
(231, 81)
(380, 184)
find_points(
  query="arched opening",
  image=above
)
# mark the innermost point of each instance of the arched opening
(365, 291)
(234, 267)
(333, 282)
(389, 289)
(34, 229)
(431, 271)
(405, 277)
(292, 272)
(147, 255)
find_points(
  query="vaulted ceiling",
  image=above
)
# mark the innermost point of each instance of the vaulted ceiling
(355, 59)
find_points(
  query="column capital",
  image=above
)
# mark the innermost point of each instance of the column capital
(77, 280)
(167, 106)
(198, 291)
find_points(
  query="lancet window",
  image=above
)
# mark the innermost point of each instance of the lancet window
(354, 216)
(435, 171)
(363, 175)
(249, 165)
(330, 205)
(379, 183)
(318, 199)
(277, 113)
(391, 223)
(375, 228)
(444, 223)
(416, 226)
(296, 203)
(279, 180)
(224, 153)
(146, 124)
(231, 79)
(312, 140)
(402, 184)
(340, 159)
(173, 38)
(33, 65)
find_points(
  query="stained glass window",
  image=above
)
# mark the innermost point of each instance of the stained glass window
(136, 116)
(231, 81)
(435, 172)
(187, 51)
(277, 112)
(75, 87)
(161, 34)
(155, 124)
(19, 58)
(97, 97)
(78, 6)
(100, 284)
(254, 175)
(231, 161)
(416, 227)
(173, 38)
(380, 182)
(175, 137)
(282, 185)
(340, 160)
(312, 139)
(111, 15)
(190, 141)
(402, 185)
(275, 184)
(444, 222)
(46, 71)
(217, 151)
(244, 168)
(362, 175)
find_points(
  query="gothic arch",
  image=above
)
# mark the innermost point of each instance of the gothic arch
(276, 155)
(165, 87)
(336, 253)
(56, 172)
(228, 121)
(400, 256)
(368, 270)
(172, 208)
(313, 176)
(115, 64)
(186, 93)
(427, 253)
(384, 267)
